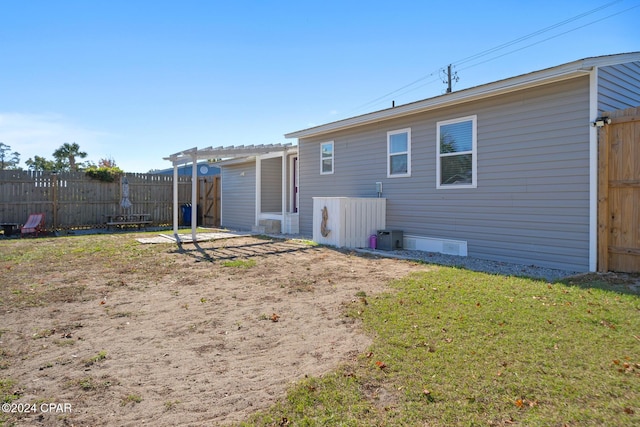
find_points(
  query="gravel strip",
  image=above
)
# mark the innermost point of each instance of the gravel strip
(475, 264)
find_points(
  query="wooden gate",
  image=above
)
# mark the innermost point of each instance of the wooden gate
(619, 192)
(209, 201)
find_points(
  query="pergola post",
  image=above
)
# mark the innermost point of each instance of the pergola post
(194, 195)
(258, 190)
(284, 188)
(175, 200)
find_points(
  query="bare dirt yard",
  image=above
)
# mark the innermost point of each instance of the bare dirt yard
(103, 330)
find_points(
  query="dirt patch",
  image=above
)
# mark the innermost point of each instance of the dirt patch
(613, 281)
(200, 334)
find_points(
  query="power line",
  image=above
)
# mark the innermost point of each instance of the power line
(535, 33)
(396, 91)
(500, 47)
(550, 38)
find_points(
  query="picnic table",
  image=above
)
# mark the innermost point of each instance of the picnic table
(9, 227)
(121, 220)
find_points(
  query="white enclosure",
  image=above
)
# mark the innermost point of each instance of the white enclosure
(347, 221)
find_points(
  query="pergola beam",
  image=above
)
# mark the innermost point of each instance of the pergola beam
(186, 156)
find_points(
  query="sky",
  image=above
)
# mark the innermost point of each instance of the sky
(136, 81)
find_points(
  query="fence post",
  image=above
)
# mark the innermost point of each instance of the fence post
(54, 195)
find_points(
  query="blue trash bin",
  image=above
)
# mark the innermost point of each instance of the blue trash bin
(186, 214)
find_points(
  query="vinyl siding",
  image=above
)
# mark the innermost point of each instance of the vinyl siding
(238, 196)
(618, 87)
(271, 185)
(531, 204)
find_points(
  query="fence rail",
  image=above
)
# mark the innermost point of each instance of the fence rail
(74, 200)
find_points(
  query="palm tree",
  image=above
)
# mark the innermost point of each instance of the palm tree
(68, 153)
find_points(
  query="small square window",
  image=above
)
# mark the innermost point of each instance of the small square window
(399, 153)
(326, 158)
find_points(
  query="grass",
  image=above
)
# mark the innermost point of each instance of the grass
(6, 390)
(454, 347)
(239, 263)
(130, 398)
(51, 271)
(95, 359)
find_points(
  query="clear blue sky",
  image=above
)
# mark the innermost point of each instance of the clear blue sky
(139, 80)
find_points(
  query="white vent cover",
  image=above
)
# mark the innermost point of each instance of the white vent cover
(430, 244)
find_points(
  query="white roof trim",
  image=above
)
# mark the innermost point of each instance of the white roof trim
(549, 75)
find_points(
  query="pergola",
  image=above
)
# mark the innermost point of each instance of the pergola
(194, 154)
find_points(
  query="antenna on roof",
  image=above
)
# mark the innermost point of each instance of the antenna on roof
(448, 78)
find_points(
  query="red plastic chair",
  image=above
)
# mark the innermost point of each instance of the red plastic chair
(35, 224)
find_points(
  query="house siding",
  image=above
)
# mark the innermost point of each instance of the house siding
(531, 204)
(618, 87)
(238, 200)
(271, 183)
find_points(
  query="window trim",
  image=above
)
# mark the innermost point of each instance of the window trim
(473, 152)
(333, 156)
(408, 153)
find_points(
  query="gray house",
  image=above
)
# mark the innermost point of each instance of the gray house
(506, 171)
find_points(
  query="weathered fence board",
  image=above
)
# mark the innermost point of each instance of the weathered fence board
(74, 200)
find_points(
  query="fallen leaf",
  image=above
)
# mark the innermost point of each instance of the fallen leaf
(519, 403)
(274, 317)
(629, 411)
(381, 365)
(369, 354)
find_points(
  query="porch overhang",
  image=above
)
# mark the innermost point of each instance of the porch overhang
(228, 153)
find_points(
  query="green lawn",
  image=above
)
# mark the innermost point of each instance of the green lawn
(454, 347)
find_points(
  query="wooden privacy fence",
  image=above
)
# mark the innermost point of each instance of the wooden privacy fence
(74, 200)
(619, 192)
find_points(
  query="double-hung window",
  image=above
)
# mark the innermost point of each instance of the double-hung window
(326, 158)
(456, 165)
(399, 153)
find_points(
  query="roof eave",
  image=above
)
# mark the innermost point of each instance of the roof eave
(467, 95)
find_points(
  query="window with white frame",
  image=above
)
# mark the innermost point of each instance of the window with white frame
(456, 165)
(399, 153)
(326, 157)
